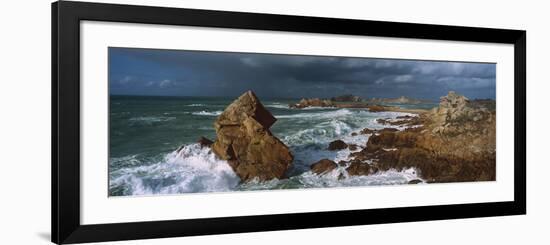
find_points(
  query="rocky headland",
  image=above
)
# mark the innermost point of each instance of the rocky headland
(454, 142)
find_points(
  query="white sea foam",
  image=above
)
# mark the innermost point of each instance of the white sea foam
(277, 105)
(318, 108)
(192, 169)
(207, 113)
(336, 178)
(148, 120)
(324, 114)
(195, 105)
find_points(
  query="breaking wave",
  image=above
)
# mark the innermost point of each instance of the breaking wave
(192, 169)
(207, 113)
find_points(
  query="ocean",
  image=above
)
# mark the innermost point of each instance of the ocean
(145, 131)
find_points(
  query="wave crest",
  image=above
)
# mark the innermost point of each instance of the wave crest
(192, 169)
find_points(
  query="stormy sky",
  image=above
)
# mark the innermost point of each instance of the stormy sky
(200, 73)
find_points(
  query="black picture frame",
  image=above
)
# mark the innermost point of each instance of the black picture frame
(66, 18)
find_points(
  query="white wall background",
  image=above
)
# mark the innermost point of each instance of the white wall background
(25, 121)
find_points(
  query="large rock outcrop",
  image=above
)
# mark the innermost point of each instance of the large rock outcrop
(245, 141)
(454, 142)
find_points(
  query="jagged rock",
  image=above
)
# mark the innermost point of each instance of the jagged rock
(323, 166)
(368, 131)
(383, 121)
(312, 102)
(337, 145)
(245, 141)
(456, 142)
(404, 117)
(204, 142)
(384, 130)
(360, 168)
(400, 121)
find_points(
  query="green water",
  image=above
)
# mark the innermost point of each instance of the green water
(145, 131)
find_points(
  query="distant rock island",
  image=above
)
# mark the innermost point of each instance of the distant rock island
(352, 101)
(399, 100)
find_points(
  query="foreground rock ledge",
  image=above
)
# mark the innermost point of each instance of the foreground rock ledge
(245, 141)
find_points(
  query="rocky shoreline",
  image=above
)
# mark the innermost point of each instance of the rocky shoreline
(454, 142)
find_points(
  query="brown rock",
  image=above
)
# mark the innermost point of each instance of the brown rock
(367, 131)
(359, 168)
(354, 134)
(404, 117)
(312, 102)
(337, 145)
(244, 140)
(204, 142)
(456, 143)
(383, 121)
(385, 130)
(323, 166)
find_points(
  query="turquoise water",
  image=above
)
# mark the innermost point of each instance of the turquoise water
(145, 131)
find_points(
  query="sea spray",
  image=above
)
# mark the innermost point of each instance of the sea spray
(192, 169)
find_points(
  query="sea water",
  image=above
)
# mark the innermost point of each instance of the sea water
(144, 133)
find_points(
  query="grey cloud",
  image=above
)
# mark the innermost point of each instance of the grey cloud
(223, 73)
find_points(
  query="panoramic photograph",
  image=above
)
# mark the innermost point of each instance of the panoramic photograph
(201, 121)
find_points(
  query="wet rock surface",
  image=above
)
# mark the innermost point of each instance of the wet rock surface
(323, 166)
(205, 142)
(245, 141)
(337, 145)
(454, 142)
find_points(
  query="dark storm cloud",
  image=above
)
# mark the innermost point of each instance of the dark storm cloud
(169, 72)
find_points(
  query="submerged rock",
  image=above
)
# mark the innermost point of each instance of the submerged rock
(337, 145)
(415, 181)
(323, 166)
(245, 141)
